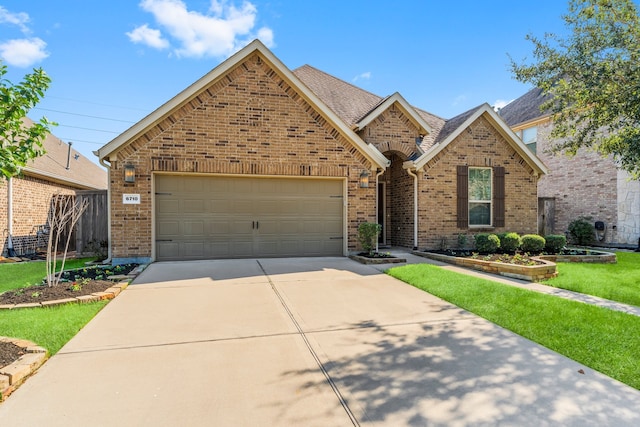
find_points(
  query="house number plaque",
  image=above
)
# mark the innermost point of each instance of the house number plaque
(131, 199)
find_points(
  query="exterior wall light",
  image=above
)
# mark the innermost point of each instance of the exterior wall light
(129, 173)
(364, 179)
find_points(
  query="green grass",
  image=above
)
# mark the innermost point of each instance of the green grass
(596, 337)
(49, 327)
(617, 282)
(20, 274)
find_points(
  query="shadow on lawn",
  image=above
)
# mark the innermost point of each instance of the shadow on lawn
(465, 372)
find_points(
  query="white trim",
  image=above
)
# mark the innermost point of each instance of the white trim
(486, 110)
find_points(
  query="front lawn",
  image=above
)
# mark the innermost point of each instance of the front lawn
(20, 274)
(617, 282)
(596, 337)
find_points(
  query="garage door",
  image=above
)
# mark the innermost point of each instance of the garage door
(200, 217)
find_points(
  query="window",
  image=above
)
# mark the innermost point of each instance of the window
(530, 138)
(480, 196)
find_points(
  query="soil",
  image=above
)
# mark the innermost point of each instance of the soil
(517, 259)
(9, 353)
(375, 255)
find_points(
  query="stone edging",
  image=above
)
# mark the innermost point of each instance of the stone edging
(11, 376)
(109, 293)
(366, 260)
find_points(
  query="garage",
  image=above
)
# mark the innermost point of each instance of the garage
(205, 217)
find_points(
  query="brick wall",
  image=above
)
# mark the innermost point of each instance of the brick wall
(479, 145)
(583, 185)
(31, 201)
(249, 122)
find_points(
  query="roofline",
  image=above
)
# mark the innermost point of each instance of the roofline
(37, 173)
(533, 122)
(406, 108)
(485, 109)
(192, 90)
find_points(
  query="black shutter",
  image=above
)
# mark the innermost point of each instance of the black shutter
(463, 196)
(498, 196)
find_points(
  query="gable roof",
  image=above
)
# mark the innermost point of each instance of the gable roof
(82, 173)
(525, 109)
(404, 106)
(197, 87)
(458, 124)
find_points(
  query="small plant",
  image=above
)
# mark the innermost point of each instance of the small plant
(555, 243)
(581, 231)
(532, 243)
(462, 240)
(368, 235)
(77, 286)
(487, 243)
(510, 242)
(36, 294)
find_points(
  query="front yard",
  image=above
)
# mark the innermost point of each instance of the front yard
(599, 338)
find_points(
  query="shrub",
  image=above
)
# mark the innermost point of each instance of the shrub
(555, 243)
(368, 234)
(462, 240)
(581, 231)
(487, 243)
(532, 243)
(510, 242)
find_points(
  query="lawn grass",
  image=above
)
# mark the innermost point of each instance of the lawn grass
(49, 327)
(596, 337)
(617, 282)
(20, 274)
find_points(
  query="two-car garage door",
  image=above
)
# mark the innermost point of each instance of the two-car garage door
(200, 217)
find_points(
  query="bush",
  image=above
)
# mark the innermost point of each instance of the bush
(487, 243)
(510, 242)
(532, 243)
(555, 243)
(368, 235)
(581, 231)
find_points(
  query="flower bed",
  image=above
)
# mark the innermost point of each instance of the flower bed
(376, 258)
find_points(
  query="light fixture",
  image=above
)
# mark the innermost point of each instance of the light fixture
(364, 179)
(129, 173)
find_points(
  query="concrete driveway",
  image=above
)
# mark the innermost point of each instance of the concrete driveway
(304, 342)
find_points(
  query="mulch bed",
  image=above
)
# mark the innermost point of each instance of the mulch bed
(9, 353)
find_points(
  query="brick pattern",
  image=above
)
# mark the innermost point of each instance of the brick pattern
(399, 209)
(31, 201)
(583, 185)
(248, 122)
(392, 132)
(479, 145)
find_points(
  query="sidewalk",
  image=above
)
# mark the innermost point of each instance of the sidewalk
(537, 287)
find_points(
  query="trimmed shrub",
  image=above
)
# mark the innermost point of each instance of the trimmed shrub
(487, 243)
(368, 234)
(581, 231)
(555, 243)
(532, 243)
(510, 242)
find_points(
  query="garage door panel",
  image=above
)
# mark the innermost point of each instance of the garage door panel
(229, 217)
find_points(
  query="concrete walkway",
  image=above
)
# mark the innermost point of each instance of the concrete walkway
(304, 342)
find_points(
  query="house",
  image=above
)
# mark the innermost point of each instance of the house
(256, 160)
(26, 198)
(585, 185)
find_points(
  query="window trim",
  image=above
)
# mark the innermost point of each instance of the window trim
(490, 201)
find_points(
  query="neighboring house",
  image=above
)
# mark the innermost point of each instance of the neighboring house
(256, 160)
(585, 185)
(26, 198)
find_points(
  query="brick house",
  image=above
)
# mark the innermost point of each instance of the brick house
(257, 160)
(26, 198)
(585, 185)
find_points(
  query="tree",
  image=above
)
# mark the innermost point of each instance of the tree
(593, 77)
(20, 143)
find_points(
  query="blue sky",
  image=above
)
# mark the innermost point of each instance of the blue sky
(112, 63)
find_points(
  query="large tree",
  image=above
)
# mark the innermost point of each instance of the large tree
(20, 142)
(593, 77)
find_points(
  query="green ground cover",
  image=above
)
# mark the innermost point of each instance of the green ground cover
(20, 274)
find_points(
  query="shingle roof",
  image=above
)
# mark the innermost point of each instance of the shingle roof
(82, 173)
(454, 123)
(525, 108)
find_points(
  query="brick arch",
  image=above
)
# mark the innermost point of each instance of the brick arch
(403, 150)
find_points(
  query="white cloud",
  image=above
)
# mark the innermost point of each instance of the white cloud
(500, 103)
(221, 31)
(145, 35)
(460, 99)
(23, 52)
(363, 76)
(20, 19)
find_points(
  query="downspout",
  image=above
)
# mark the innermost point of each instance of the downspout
(377, 201)
(108, 167)
(415, 208)
(9, 216)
